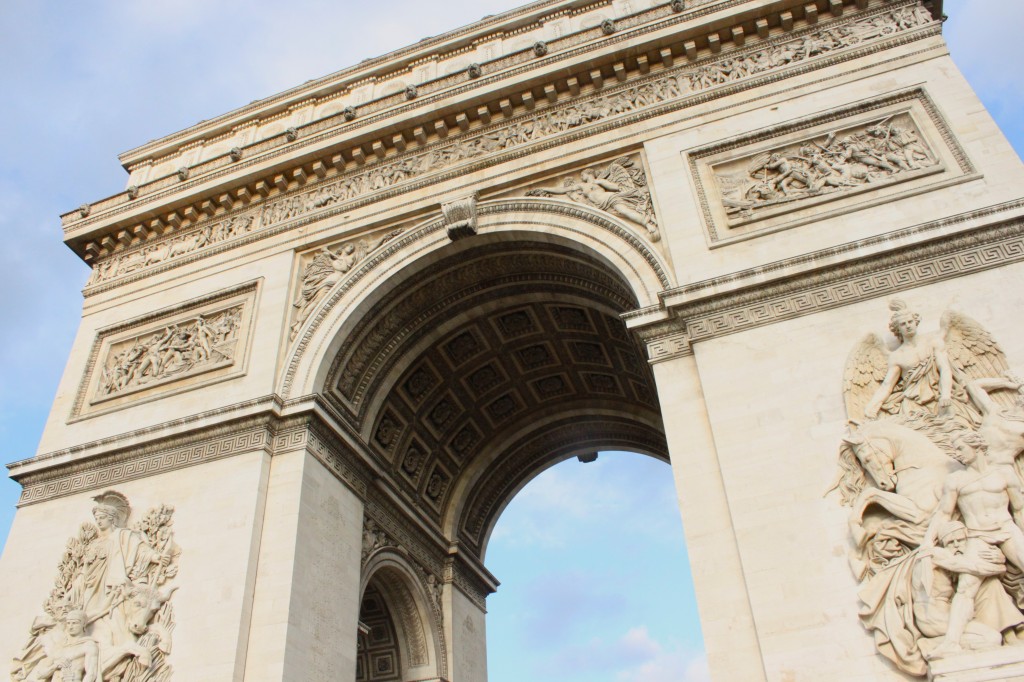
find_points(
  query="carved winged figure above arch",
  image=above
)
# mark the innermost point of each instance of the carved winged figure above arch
(328, 266)
(924, 372)
(931, 471)
(619, 188)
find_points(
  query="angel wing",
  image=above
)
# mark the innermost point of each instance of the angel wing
(973, 352)
(865, 369)
(758, 163)
(624, 173)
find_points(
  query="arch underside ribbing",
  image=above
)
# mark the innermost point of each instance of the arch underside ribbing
(481, 362)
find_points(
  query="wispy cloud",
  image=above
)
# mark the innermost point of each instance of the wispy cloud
(635, 656)
(660, 663)
(562, 496)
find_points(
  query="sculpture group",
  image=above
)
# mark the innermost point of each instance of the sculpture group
(194, 345)
(930, 472)
(620, 188)
(108, 617)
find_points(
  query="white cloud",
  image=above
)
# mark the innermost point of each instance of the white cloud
(635, 656)
(661, 664)
(619, 492)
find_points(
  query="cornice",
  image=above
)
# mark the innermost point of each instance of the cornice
(518, 21)
(830, 278)
(210, 213)
(693, 42)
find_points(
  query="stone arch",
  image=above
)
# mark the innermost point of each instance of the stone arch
(541, 220)
(469, 366)
(489, 484)
(415, 616)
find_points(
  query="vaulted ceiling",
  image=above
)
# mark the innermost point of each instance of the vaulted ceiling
(489, 365)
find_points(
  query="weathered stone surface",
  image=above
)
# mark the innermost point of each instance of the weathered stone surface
(339, 338)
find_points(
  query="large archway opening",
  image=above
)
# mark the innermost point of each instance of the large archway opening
(479, 363)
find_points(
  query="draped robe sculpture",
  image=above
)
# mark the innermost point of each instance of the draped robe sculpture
(108, 617)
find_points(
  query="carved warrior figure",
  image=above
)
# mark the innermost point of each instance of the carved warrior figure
(620, 189)
(936, 430)
(837, 162)
(107, 619)
(201, 343)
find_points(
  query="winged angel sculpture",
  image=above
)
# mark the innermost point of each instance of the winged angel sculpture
(931, 472)
(620, 189)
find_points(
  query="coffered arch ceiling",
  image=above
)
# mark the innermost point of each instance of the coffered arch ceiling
(486, 366)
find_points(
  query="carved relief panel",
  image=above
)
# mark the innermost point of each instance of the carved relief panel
(617, 186)
(109, 615)
(319, 270)
(930, 470)
(184, 347)
(851, 158)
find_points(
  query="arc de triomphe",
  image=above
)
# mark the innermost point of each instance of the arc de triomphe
(328, 336)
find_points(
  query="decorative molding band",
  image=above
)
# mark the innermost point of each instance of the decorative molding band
(604, 109)
(671, 344)
(149, 460)
(828, 287)
(458, 575)
(455, 82)
(341, 123)
(329, 449)
(389, 520)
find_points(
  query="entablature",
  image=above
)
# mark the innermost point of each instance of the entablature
(321, 175)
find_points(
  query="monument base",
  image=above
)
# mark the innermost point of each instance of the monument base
(1005, 664)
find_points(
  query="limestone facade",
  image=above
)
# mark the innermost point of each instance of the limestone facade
(338, 329)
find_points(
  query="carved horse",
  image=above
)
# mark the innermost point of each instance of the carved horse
(129, 619)
(905, 470)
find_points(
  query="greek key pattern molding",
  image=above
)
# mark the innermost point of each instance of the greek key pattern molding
(872, 277)
(146, 461)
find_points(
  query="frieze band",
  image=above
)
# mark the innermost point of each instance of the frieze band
(873, 276)
(677, 84)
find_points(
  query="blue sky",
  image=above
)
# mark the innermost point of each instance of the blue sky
(85, 81)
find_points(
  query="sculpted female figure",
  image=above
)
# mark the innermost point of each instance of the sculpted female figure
(919, 366)
(117, 556)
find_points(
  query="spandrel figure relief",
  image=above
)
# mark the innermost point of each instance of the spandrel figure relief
(839, 162)
(109, 616)
(326, 267)
(930, 472)
(620, 188)
(188, 347)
